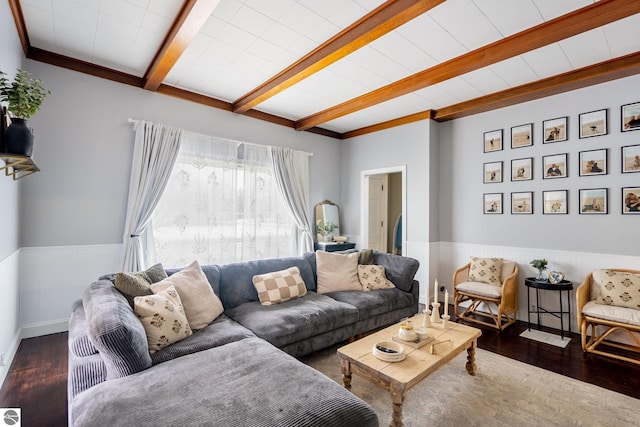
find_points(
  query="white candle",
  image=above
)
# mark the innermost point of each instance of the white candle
(446, 303)
(435, 292)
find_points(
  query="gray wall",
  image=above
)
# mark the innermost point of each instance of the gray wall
(84, 146)
(461, 188)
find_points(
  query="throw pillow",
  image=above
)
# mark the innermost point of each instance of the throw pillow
(337, 272)
(618, 288)
(163, 318)
(201, 304)
(279, 286)
(373, 277)
(486, 270)
(365, 257)
(138, 284)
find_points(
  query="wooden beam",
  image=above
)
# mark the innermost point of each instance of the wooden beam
(21, 27)
(387, 17)
(422, 115)
(192, 17)
(594, 74)
(581, 20)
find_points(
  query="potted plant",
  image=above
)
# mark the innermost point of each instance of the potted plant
(540, 265)
(24, 97)
(325, 229)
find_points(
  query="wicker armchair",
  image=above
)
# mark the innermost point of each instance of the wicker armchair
(499, 303)
(604, 320)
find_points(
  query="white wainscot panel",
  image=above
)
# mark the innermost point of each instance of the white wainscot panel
(420, 251)
(9, 311)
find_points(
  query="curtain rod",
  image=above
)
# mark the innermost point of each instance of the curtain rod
(135, 122)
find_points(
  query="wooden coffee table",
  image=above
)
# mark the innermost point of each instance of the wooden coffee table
(397, 378)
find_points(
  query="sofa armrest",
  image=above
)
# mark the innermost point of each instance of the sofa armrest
(415, 292)
(461, 275)
(510, 290)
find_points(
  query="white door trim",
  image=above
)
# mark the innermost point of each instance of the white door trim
(364, 201)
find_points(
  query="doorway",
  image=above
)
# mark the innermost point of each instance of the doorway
(383, 209)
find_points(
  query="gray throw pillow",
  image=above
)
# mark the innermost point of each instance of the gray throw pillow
(138, 284)
(365, 257)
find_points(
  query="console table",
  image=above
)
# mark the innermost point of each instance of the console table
(333, 246)
(564, 285)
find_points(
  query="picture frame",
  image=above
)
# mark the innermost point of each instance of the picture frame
(593, 162)
(594, 201)
(630, 158)
(631, 200)
(522, 136)
(492, 172)
(554, 166)
(630, 117)
(522, 169)
(493, 141)
(522, 203)
(593, 123)
(492, 203)
(555, 130)
(555, 202)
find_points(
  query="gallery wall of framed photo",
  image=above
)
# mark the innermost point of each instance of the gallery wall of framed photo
(587, 154)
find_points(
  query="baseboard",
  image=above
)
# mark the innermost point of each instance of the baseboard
(9, 356)
(44, 328)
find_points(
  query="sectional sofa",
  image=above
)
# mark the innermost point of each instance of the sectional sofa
(240, 369)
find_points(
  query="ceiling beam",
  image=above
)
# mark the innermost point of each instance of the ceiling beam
(581, 20)
(192, 17)
(387, 17)
(21, 27)
(613, 69)
(422, 115)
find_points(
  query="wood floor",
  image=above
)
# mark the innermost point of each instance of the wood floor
(37, 381)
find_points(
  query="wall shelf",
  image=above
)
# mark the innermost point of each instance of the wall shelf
(18, 166)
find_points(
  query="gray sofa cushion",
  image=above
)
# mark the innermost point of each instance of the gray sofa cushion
(84, 373)
(294, 320)
(375, 302)
(115, 330)
(236, 279)
(79, 343)
(221, 331)
(399, 269)
(213, 388)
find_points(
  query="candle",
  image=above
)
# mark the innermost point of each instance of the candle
(446, 303)
(435, 292)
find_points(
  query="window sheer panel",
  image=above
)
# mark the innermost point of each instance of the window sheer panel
(221, 205)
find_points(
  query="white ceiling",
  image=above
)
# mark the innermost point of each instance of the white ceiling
(246, 42)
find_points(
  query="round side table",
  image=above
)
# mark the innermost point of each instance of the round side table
(564, 285)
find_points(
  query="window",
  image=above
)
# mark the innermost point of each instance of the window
(221, 205)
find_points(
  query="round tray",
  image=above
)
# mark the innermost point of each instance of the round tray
(389, 351)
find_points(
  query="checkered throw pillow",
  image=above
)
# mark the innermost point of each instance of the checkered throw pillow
(279, 286)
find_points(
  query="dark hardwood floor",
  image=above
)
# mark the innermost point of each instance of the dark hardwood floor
(37, 380)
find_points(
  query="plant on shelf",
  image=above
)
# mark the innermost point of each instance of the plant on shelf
(24, 97)
(325, 229)
(540, 265)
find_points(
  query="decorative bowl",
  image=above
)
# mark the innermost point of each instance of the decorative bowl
(339, 239)
(389, 351)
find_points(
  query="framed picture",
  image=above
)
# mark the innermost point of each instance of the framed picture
(554, 166)
(593, 162)
(630, 117)
(492, 172)
(493, 141)
(554, 202)
(492, 203)
(594, 201)
(522, 136)
(522, 169)
(631, 159)
(631, 200)
(522, 203)
(555, 130)
(593, 123)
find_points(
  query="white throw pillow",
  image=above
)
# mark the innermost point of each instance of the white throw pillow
(201, 304)
(618, 288)
(486, 270)
(163, 318)
(279, 286)
(337, 272)
(372, 277)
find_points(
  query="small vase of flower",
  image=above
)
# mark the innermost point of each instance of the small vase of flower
(540, 265)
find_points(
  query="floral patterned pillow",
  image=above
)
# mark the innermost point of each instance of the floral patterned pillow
(486, 270)
(618, 288)
(373, 277)
(163, 318)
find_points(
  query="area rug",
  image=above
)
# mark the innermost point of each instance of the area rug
(505, 392)
(545, 337)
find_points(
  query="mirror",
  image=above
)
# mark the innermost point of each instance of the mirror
(327, 212)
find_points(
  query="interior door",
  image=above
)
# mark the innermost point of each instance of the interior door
(378, 222)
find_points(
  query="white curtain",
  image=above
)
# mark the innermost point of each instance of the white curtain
(154, 154)
(221, 205)
(291, 170)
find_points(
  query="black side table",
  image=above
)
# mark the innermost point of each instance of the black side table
(333, 246)
(564, 285)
